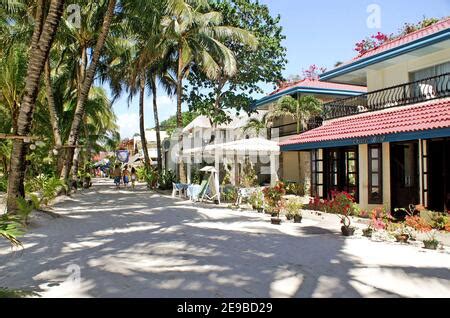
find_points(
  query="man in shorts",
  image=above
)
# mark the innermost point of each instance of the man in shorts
(126, 176)
(117, 174)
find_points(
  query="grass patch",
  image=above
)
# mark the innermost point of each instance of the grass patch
(16, 293)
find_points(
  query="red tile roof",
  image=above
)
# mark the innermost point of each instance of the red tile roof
(309, 83)
(439, 26)
(419, 117)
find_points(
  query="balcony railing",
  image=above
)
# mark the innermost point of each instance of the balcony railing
(291, 129)
(400, 95)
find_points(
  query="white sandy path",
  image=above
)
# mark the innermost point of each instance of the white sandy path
(146, 245)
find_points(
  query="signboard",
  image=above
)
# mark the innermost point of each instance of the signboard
(123, 156)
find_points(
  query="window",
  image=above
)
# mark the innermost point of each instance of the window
(342, 171)
(432, 71)
(316, 174)
(429, 87)
(375, 174)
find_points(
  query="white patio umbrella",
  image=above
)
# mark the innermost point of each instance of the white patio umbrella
(252, 144)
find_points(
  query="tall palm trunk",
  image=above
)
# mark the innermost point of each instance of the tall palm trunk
(156, 117)
(54, 119)
(181, 170)
(85, 88)
(142, 121)
(42, 39)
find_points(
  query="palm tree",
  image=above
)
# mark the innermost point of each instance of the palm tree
(145, 64)
(197, 35)
(43, 35)
(300, 109)
(85, 83)
(256, 125)
(13, 67)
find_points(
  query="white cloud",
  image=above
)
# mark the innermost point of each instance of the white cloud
(129, 124)
(128, 115)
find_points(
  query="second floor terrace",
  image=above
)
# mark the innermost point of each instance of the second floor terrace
(430, 88)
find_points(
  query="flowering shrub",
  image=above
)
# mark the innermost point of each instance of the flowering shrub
(380, 219)
(447, 227)
(313, 72)
(371, 43)
(413, 27)
(317, 204)
(341, 203)
(379, 39)
(274, 197)
(418, 224)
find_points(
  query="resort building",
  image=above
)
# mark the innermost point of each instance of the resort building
(150, 135)
(230, 148)
(294, 166)
(391, 146)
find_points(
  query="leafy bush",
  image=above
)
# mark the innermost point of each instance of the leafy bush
(229, 194)
(166, 179)
(149, 176)
(341, 203)
(50, 189)
(197, 176)
(11, 228)
(439, 221)
(24, 209)
(293, 207)
(295, 189)
(249, 178)
(273, 197)
(256, 200)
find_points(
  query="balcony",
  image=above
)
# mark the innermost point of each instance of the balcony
(406, 94)
(291, 129)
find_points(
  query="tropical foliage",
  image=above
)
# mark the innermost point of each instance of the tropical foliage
(55, 107)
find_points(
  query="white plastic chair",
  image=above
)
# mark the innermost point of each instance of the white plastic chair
(175, 190)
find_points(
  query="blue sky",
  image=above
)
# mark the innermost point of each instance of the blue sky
(319, 32)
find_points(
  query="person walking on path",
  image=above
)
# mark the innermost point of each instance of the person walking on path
(117, 174)
(133, 177)
(126, 176)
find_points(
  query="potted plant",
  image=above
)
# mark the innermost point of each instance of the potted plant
(273, 197)
(402, 235)
(367, 232)
(256, 200)
(344, 214)
(298, 217)
(431, 243)
(347, 229)
(289, 216)
(293, 209)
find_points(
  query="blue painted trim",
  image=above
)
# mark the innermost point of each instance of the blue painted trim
(426, 134)
(302, 89)
(389, 54)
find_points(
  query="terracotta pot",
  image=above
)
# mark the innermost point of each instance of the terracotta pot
(276, 221)
(347, 231)
(298, 219)
(402, 238)
(367, 232)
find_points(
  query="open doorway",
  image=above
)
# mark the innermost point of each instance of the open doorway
(438, 175)
(405, 174)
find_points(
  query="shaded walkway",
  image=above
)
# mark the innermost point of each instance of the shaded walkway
(138, 244)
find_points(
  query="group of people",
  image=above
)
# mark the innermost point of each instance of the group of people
(124, 176)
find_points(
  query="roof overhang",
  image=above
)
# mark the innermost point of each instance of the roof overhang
(355, 72)
(397, 137)
(304, 90)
